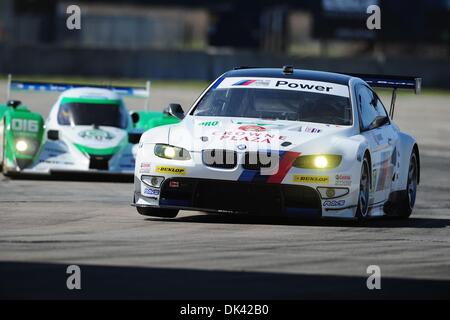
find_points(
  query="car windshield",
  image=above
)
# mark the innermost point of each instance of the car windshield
(279, 104)
(98, 114)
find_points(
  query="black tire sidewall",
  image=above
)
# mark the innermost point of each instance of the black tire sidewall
(404, 209)
(359, 214)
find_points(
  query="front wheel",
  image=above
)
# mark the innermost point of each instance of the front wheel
(157, 212)
(362, 210)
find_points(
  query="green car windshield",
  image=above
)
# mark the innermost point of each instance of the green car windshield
(97, 114)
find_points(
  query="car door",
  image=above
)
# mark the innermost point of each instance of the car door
(381, 139)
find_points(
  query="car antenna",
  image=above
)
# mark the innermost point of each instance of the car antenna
(288, 69)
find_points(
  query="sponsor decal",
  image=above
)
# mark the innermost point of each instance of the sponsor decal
(171, 170)
(385, 172)
(249, 136)
(302, 85)
(209, 123)
(343, 180)
(96, 134)
(310, 130)
(145, 167)
(311, 179)
(253, 82)
(286, 84)
(334, 203)
(262, 124)
(148, 191)
(252, 128)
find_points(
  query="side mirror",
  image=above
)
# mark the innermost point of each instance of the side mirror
(134, 137)
(166, 111)
(135, 117)
(174, 109)
(53, 135)
(379, 122)
(14, 103)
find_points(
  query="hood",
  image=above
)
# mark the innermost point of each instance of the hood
(95, 140)
(199, 133)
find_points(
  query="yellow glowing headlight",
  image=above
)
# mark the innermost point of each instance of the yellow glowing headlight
(21, 146)
(170, 152)
(320, 161)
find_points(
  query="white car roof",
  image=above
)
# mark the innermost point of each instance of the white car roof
(91, 93)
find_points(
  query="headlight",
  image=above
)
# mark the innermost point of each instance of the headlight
(21, 145)
(170, 152)
(320, 161)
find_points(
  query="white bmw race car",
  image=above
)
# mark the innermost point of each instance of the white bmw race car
(282, 142)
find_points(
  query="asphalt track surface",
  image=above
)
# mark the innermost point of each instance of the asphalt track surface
(47, 225)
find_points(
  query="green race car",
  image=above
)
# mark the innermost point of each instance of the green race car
(89, 129)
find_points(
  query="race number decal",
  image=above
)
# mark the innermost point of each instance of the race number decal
(25, 125)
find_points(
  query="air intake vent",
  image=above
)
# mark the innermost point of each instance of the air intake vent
(99, 162)
(258, 160)
(218, 158)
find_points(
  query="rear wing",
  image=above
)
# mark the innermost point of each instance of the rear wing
(392, 82)
(13, 85)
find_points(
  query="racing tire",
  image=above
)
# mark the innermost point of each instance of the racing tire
(3, 149)
(362, 209)
(3, 168)
(3, 157)
(1, 160)
(403, 205)
(157, 212)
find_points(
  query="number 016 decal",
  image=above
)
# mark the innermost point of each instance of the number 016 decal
(25, 125)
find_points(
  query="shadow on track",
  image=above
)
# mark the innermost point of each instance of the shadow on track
(385, 222)
(48, 281)
(78, 176)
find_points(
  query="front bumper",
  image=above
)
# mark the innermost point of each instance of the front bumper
(205, 188)
(238, 197)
